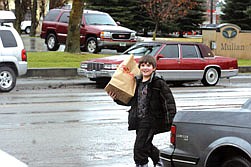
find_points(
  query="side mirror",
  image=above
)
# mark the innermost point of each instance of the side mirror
(159, 56)
(118, 23)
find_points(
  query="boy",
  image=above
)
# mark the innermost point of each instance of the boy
(152, 111)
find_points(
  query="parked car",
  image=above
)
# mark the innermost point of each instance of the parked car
(210, 138)
(26, 26)
(13, 58)
(176, 61)
(97, 31)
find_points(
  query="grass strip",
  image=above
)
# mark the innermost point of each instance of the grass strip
(69, 60)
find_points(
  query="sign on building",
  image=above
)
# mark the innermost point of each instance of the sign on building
(228, 40)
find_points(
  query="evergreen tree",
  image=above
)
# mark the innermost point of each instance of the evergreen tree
(129, 13)
(193, 19)
(235, 12)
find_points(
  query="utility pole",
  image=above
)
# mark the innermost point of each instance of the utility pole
(211, 12)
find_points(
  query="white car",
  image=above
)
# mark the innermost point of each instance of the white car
(13, 58)
(26, 26)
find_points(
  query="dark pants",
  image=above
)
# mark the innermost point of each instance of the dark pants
(143, 147)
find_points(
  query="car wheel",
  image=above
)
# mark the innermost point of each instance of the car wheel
(92, 45)
(211, 77)
(7, 79)
(52, 42)
(236, 162)
(27, 30)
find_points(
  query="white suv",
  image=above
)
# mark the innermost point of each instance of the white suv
(13, 58)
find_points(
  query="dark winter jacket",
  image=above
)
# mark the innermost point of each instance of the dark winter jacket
(161, 105)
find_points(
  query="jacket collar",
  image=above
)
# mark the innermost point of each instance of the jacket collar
(153, 77)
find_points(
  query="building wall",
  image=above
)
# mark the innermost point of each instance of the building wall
(228, 40)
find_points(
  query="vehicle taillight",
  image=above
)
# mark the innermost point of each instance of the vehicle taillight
(173, 134)
(24, 56)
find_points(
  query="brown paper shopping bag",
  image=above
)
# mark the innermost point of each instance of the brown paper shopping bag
(123, 83)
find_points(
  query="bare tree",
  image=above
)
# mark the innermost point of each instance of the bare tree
(73, 37)
(19, 15)
(4, 4)
(160, 10)
(57, 3)
(42, 8)
(34, 20)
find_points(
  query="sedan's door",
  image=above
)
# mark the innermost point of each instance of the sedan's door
(192, 64)
(168, 62)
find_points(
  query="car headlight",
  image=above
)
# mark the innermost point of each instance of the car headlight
(110, 66)
(105, 34)
(83, 65)
(133, 35)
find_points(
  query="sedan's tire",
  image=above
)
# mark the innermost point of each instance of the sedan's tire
(236, 162)
(52, 42)
(92, 45)
(7, 79)
(211, 77)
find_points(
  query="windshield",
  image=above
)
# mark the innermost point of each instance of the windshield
(143, 49)
(99, 19)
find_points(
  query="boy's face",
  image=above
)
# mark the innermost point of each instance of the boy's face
(146, 69)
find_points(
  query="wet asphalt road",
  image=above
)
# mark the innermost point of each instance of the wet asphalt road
(68, 122)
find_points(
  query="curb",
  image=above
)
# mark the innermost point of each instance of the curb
(72, 72)
(244, 69)
(51, 72)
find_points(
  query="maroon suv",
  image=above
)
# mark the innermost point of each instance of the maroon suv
(98, 31)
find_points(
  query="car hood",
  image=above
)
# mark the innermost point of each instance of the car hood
(112, 28)
(116, 59)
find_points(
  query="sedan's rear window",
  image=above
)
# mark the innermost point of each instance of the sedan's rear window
(8, 39)
(190, 51)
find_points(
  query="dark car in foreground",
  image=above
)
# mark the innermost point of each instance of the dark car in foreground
(215, 138)
(176, 61)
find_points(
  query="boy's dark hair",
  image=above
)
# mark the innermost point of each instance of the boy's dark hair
(148, 59)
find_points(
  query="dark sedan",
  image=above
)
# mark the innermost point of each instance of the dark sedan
(176, 61)
(215, 138)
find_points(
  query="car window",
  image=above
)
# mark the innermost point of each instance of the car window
(52, 15)
(8, 38)
(98, 19)
(170, 51)
(141, 50)
(65, 17)
(190, 51)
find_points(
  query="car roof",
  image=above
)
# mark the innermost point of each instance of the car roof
(7, 16)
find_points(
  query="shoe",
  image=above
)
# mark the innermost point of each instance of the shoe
(159, 164)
